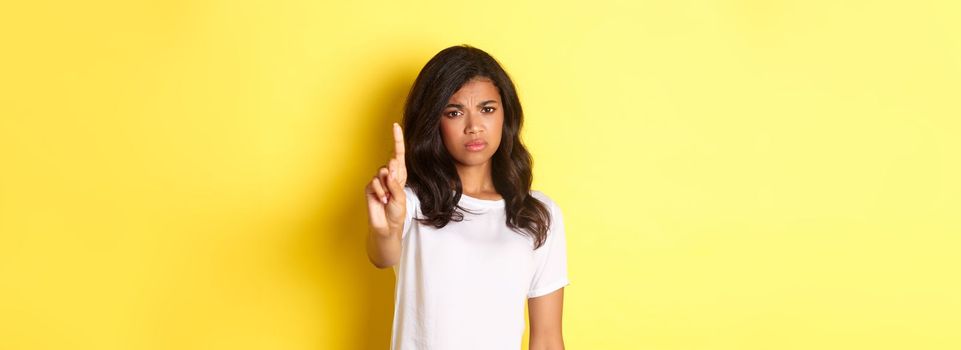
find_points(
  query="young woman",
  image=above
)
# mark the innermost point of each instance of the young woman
(454, 215)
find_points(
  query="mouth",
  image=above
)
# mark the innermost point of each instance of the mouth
(476, 145)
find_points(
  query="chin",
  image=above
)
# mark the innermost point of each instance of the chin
(474, 159)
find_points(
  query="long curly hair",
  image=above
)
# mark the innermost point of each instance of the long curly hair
(431, 170)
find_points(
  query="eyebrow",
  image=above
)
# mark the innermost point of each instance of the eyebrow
(458, 105)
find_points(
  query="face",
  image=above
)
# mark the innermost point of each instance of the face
(472, 121)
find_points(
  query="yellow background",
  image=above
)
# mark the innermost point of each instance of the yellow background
(734, 174)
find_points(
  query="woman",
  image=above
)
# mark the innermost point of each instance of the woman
(454, 215)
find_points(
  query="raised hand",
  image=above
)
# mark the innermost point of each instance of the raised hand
(386, 200)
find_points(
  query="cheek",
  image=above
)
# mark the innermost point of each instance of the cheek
(448, 127)
(448, 132)
(497, 127)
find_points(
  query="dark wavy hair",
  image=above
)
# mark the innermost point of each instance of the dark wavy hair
(431, 171)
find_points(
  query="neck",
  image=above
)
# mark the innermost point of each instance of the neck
(476, 178)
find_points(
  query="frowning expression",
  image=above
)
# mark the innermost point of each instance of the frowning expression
(471, 122)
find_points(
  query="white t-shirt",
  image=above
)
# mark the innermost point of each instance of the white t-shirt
(464, 286)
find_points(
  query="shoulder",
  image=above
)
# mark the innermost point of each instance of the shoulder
(556, 223)
(544, 198)
(412, 201)
(410, 192)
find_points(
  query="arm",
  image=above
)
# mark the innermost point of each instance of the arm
(545, 316)
(387, 208)
(383, 251)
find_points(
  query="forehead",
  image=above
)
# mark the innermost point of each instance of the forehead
(477, 88)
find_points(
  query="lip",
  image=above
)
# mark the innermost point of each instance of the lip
(476, 145)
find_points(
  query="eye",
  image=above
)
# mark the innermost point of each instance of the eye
(452, 114)
(488, 109)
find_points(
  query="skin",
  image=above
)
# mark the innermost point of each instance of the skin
(545, 313)
(473, 112)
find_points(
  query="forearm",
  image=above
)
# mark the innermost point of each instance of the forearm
(555, 343)
(383, 250)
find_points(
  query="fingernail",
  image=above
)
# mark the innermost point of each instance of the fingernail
(393, 174)
(384, 199)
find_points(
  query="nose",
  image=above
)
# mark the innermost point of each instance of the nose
(474, 125)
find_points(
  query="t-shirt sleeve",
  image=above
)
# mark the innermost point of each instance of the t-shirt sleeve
(551, 259)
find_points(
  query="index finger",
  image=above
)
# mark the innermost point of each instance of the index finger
(399, 143)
